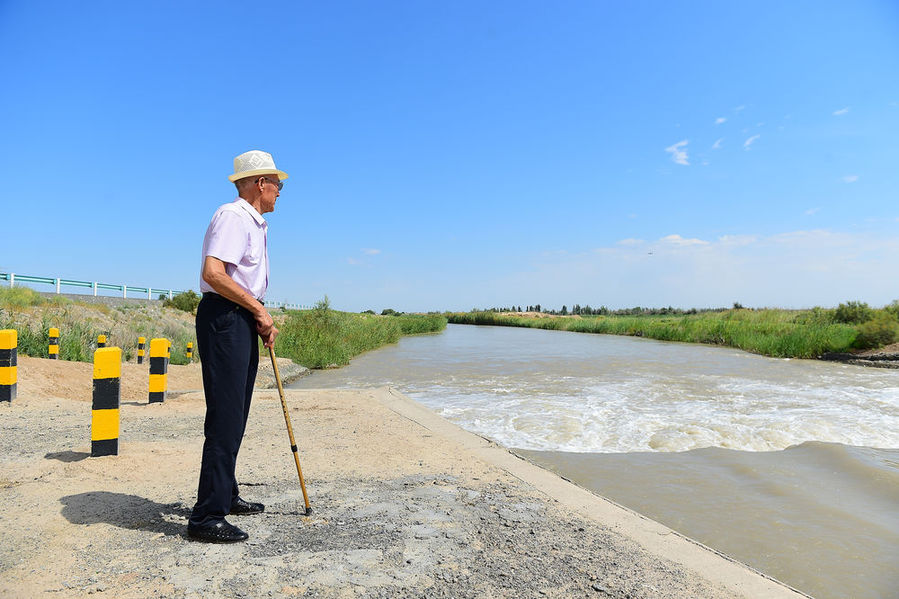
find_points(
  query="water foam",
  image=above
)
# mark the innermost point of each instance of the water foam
(663, 415)
(559, 391)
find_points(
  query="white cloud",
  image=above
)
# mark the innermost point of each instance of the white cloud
(812, 211)
(678, 155)
(841, 111)
(850, 178)
(740, 108)
(370, 251)
(630, 241)
(737, 240)
(720, 120)
(353, 261)
(681, 241)
(717, 144)
(750, 141)
(788, 270)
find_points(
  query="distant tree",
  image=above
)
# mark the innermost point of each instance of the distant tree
(564, 310)
(537, 308)
(389, 312)
(738, 306)
(893, 308)
(853, 313)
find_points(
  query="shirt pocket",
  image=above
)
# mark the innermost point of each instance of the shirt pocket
(254, 252)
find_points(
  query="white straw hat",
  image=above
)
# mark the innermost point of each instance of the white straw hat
(255, 162)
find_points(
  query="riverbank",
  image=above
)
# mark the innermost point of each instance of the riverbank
(405, 505)
(769, 332)
(316, 338)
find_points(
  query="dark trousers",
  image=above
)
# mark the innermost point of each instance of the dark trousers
(229, 354)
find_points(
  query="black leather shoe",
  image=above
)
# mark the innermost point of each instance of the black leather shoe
(241, 508)
(220, 532)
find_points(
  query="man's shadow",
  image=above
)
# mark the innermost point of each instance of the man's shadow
(125, 511)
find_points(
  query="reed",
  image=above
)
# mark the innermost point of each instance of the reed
(326, 338)
(777, 333)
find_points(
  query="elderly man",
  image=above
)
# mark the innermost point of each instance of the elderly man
(234, 278)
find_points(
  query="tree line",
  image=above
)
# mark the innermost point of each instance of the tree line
(587, 310)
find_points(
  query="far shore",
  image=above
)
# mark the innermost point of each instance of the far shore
(405, 504)
(806, 334)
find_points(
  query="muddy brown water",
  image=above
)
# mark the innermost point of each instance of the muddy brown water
(791, 466)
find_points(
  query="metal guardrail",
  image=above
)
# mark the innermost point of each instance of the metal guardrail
(151, 292)
(95, 286)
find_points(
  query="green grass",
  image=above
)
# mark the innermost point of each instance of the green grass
(316, 338)
(778, 333)
(79, 323)
(322, 337)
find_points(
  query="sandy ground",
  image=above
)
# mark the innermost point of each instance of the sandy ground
(405, 504)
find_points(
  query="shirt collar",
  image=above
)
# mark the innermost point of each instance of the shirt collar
(252, 211)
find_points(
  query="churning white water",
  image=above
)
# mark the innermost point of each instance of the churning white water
(561, 391)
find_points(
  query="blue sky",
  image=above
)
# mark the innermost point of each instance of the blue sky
(460, 154)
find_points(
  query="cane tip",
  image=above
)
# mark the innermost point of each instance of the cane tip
(308, 511)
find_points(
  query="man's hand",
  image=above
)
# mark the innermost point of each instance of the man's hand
(265, 326)
(215, 274)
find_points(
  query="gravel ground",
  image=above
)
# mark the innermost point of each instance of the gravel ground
(398, 511)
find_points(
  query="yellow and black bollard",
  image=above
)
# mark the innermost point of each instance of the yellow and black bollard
(141, 351)
(105, 412)
(9, 376)
(101, 341)
(159, 366)
(53, 351)
(190, 350)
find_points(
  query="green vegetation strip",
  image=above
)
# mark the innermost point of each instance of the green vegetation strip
(317, 338)
(322, 337)
(32, 315)
(771, 332)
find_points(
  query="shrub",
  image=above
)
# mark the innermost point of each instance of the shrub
(186, 301)
(853, 313)
(20, 297)
(877, 332)
(893, 309)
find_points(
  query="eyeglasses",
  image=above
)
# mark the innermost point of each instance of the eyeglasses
(278, 184)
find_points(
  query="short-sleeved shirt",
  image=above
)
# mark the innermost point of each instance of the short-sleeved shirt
(237, 236)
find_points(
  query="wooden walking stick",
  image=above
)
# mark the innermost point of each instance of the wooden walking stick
(293, 443)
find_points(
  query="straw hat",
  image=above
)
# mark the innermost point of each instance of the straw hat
(255, 162)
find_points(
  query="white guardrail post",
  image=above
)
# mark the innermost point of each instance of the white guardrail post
(94, 285)
(57, 285)
(12, 280)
